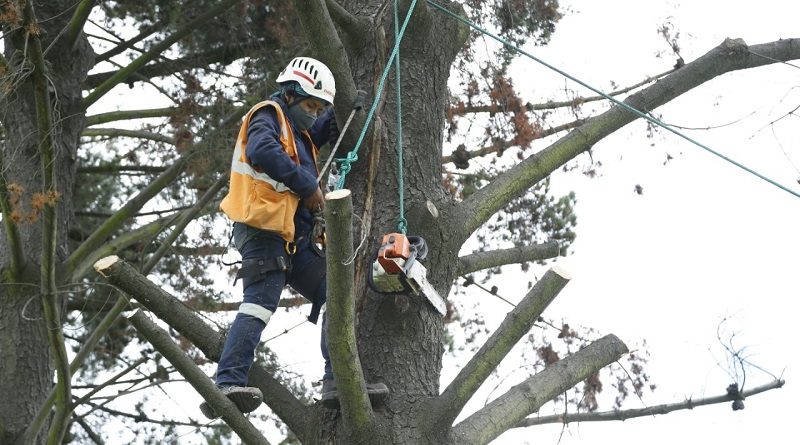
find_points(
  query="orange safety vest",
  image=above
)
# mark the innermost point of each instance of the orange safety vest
(254, 198)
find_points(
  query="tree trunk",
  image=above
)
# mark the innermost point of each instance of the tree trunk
(401, 338)
(27, 373)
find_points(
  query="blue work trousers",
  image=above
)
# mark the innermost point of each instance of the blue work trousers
(307, 277)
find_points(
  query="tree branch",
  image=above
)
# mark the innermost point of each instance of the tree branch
(92, 435)
(731, 55)
(461, 158)
(223, 54)
(124, 115)
(485, 260)
(120, 132)
(100, 234)
(155, 51)
(161, 340)
(285, 405)
(510, 408)
(124, 45)
(116, 168)
(617, 415)
(17, 259)
(44, 122)
(503, 108)
(516, 324)
(354, 27)
(184, 221)
(350, 383)
(328, 48)
(75, 25)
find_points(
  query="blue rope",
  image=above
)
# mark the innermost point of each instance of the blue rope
(352, 155)
(402, 224)
(615, 101)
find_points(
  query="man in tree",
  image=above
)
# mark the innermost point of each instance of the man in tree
(272, 200)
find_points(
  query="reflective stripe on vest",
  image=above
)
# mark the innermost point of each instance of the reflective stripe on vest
(243, 168)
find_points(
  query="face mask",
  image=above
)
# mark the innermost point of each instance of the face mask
(302, 120)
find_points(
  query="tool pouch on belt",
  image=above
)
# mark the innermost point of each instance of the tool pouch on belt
(255, 269)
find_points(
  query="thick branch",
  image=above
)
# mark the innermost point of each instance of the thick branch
(328, 48)
(504, 108)
(44, 123)
(516, 324)
(485, 260)
(510, 408)
(731, 55)
(75, 25)
(645, 412)
(168, 308)
(356, 408)
(354, 27)
(120, 132)
(161, 340)
(156, 51)
(125, 115)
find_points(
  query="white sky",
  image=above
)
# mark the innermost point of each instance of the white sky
(703, 242)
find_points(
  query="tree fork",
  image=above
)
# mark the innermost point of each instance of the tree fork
(516, 324)
(352, 388)
(161, 340)
(174, 312)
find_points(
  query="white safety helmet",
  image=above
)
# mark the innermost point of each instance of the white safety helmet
(313, 77)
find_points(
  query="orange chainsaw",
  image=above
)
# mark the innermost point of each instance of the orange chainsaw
(396, 269)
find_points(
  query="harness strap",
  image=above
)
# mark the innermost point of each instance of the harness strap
(256, 269)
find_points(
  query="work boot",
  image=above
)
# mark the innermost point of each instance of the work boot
(330, 396)
(246, 399)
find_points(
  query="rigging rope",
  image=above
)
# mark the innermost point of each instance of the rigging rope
(402, 224)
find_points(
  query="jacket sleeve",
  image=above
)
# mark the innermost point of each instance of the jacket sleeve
(320, 132)
(264, 150)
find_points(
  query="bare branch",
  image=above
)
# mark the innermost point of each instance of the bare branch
(161, 340)
(110, 381)
(119, 132)
(350, 383)
(460, 158)
(117, 168)
(126, 115)
(731, 55)
(100, 234)
(223, 54)
(156, 51)
(617, 415)
(181, 318)
(495, 108)
(75, 25)
(124, 45)
(527, 397)
(485, 260)
(516, 324)
(184, 221)
(92, 435)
